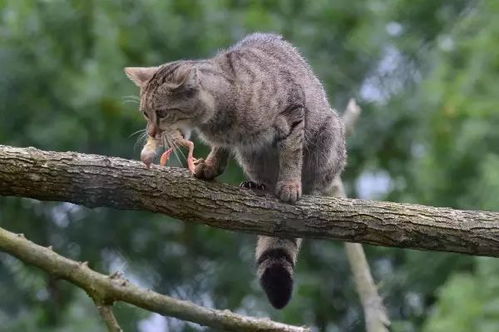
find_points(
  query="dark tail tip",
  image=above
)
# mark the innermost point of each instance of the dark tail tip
(277, 283)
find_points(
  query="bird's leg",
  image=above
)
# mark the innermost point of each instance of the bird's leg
(191, 161)
(179, 140)
(165, 156)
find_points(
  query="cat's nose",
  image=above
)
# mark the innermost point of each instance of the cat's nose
(153, 130)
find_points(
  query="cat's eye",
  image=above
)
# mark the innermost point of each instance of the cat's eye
(162, 113)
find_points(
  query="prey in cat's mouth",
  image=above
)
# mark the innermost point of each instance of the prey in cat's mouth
(173, 140)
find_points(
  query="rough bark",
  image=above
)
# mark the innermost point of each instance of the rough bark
(107, 289)
(93, 180)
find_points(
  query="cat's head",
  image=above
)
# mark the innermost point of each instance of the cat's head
(171, 97)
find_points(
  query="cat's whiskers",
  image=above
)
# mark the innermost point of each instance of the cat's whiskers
(141, 139)
(130, 102)
(131, 97)
(177, 148)
(137, 132)
(171, 143)
(166, 142)
(179, 154)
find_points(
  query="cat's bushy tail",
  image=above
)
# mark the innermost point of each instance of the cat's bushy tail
(276, 259)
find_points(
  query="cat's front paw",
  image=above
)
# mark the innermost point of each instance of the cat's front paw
(288, 191)
(206, 171)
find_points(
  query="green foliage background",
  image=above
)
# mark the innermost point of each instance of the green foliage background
(425, 73)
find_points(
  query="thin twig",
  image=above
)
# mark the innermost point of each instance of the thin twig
(108, 289)
(375, 314)
(351, 116)
(106, 312)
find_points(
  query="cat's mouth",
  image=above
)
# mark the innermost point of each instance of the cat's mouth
(184, 132)
(179, 132)
(169, 140)
(174, 137)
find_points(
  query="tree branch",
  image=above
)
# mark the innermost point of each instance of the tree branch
(93, 181)
(375, 314)
(106, 312)
(108, 289)
(351, 116)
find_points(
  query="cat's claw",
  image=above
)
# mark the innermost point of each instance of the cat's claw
(252, 185)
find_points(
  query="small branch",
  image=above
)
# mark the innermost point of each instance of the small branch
(108, 289)
(93, 180)
(106, 312)
(350, 116)
(375, 313)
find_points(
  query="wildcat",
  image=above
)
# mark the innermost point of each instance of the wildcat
(259, 101)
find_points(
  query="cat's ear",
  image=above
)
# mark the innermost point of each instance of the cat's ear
(140, 75)
(186, 81)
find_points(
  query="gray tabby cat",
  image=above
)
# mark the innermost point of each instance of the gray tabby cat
(260, 101)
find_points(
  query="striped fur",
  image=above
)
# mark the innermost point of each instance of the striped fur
(260, 101)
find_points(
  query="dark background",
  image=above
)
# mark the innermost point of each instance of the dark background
(425, 73)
